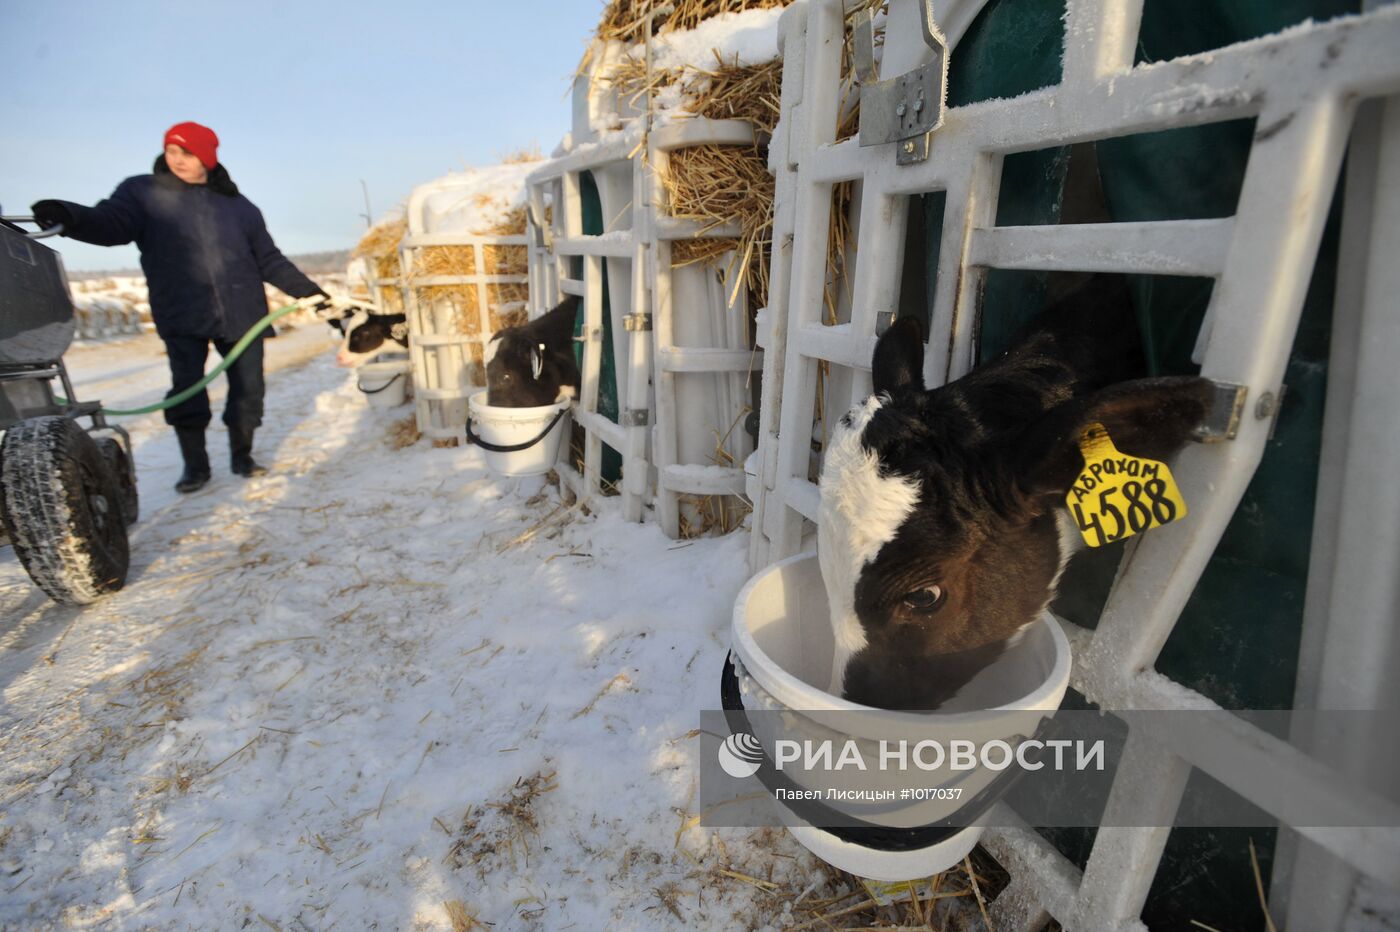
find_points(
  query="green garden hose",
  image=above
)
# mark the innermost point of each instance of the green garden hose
(224, 363)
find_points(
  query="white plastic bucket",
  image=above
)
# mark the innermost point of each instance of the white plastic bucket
(385, 384)
(782, 649)
(509, 427)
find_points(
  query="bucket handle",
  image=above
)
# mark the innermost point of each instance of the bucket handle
(865, 834)
(513, 447)
(376, 391)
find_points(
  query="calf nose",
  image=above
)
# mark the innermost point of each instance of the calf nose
(344, 359)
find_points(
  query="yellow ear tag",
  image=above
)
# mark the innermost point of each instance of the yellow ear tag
(1118, 495)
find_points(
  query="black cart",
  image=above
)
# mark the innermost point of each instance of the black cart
(67, 494)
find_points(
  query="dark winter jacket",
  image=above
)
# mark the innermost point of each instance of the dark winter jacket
(204, 248)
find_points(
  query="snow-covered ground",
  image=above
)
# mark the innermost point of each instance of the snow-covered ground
(376, 688)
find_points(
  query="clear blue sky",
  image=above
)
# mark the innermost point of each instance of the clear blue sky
(307, 96)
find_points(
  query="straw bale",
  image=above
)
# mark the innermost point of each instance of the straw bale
(381, 247)
(731, 91)
(506, 301)
(687, 14)
(382, 239)
(530, 153)
(625, 21)
(632, 79)
(714, 186)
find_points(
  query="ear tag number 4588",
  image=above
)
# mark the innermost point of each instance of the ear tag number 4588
(1118, 495)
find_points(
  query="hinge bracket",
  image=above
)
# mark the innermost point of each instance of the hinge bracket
(904, 110)
(1223, 422)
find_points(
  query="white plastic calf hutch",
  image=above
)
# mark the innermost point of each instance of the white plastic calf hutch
(684, 328)
(447, 358)
(1310, 90)
(97, 317)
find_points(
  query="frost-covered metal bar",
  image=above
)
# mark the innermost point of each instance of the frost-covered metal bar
(614, 245)
(670, 228)
(1175, 247)
(702, 479)
(772, 329)
(821, 38)
(1043, 882)
(706, 359)
(1147, 789)
(1287, 188)
(1350, 648)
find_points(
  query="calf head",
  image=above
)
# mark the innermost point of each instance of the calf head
(532, 365)
(520, 372)
(943, 530)
(367, 335)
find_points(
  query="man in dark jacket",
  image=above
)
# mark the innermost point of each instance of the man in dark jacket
(206, 253)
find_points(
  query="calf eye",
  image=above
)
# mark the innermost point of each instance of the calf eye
(926, 600)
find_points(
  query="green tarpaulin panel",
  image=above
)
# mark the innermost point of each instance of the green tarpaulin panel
(591, 207)
(1237, 641)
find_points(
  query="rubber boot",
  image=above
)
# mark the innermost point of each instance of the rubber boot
(196, 474)
(240, 448)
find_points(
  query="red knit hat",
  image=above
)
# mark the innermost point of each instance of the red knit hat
(197, 140)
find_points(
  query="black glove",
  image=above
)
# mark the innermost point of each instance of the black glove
(322, 307)
(51, 213)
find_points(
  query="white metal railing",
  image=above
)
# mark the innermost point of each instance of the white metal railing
(1303, 87)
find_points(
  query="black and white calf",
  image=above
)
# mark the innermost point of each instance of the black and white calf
(368, 335)
(943, 527)
(532, 365)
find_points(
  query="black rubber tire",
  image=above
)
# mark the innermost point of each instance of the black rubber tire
(125, 473)
(62, 510)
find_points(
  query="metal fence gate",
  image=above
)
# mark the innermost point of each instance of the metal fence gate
(1303, 87)
(633, 254)
(566, 261)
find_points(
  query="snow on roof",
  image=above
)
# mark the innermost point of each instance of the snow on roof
(751, 35)
(471, 201)
(747, 38)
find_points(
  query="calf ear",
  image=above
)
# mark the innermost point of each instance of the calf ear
(898, 361)
(1152, 418)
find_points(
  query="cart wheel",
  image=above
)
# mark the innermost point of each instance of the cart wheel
(62, 510)
(115, 454)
